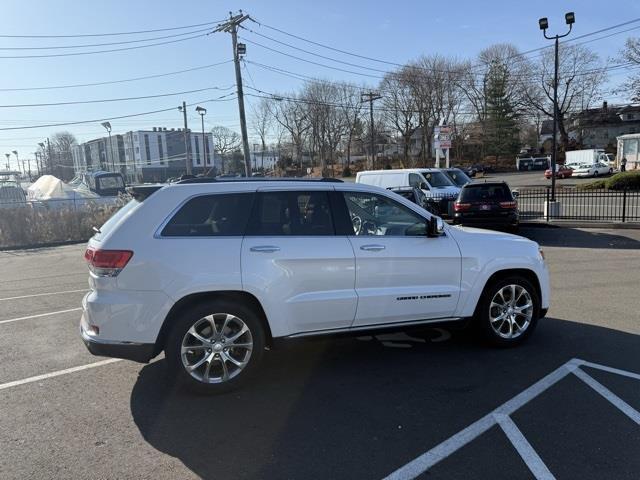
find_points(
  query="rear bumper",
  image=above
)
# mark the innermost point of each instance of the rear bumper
(511, 220)
(138, 352)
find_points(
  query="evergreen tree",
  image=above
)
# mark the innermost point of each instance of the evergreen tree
(502, 126)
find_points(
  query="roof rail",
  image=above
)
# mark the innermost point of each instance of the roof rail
(256, 179)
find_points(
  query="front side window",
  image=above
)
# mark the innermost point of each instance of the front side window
(437, 179)
(291, 213)
(211, 216)
(376, 215)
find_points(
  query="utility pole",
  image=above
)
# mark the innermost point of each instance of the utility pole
(186, 138)
(50, 157)
(371, 97)
(231, 26)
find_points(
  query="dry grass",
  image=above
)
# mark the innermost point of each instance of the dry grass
(28, 226)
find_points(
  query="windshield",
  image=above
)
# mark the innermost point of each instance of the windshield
(458, 176)
(437, 179)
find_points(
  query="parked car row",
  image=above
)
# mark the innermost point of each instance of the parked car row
(581, 170)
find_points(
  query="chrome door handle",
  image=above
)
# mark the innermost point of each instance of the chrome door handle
(265, 249)
(372, 248)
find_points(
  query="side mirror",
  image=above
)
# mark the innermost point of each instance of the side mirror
(435, 227)
(515, 194)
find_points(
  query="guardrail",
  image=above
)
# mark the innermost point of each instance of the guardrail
(598, 205)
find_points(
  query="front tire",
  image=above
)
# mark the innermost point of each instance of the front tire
(215, 346)
(508, 311)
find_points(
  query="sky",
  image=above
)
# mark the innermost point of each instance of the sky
(395, 31)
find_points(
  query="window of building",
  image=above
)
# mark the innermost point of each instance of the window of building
(146, 148)
(631, 116)
(160, 150)
(197, 151)
(291, 213)
(205, 142)
(211, 216)
(137, 149)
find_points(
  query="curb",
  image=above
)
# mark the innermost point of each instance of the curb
(41, 245)
(592, 225)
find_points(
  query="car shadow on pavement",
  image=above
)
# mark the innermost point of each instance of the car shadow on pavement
(362, 407)
(577, 238)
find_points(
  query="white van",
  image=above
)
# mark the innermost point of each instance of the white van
(431, 181)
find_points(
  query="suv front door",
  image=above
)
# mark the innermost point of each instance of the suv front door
(401, 274)
(295, 264)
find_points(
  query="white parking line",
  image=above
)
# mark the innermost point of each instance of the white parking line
(424, 462)
(623, 406)
(524, 448)
(43, 294)
(10, 320)
(45, 376)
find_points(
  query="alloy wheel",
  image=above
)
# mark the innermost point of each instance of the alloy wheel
(216, 348)
(511, 311)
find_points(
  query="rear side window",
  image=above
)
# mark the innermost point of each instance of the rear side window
(211, 216)
(484, 193)
(291, 213)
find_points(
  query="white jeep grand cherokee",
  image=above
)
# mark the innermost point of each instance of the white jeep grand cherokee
(211, 272)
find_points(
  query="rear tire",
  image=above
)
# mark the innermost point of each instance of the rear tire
(212, 360)
(508, 311)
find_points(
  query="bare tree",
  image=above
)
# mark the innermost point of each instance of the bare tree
(291, 113)
(631, 53)
(581, 75)
(351, 109)
(225, 142)
(400, 110)
(261, 122)
(61, 163)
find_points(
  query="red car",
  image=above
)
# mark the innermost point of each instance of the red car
(561, 172)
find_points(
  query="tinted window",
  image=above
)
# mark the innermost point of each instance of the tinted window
(373, 214)
(211, 216)
(437, 179)
(484, 193)
(415, 180)
(110, 182)
(459, 177)
(291, 213)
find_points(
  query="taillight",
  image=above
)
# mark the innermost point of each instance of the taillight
(461, 207)
(107, 263)
(508, 204)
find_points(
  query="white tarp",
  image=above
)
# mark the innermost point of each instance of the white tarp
(48, 187)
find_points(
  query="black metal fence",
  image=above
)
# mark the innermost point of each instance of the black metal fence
(598, 205)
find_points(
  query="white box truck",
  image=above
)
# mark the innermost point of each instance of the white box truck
(586, 157)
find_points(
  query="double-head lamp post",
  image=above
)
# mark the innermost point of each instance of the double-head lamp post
(570, 19)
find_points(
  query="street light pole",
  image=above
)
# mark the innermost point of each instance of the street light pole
(570, 19)
(15, 152)
(8, 155)
(203, 111)
(186, 136)
(107, 125)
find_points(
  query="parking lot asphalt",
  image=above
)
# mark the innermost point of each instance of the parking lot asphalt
(362, 407)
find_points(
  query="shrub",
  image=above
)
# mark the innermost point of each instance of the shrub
(346, 172)
(596, 185)
(624, 180)
(31, 225)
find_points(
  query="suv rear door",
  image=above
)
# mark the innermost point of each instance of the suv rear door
(401, 274)
(295, 264)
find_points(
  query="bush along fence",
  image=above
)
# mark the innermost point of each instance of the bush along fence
(33, 224)
(589, 205)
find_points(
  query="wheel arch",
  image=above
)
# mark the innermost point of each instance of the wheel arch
(529, 275)
(189, 301)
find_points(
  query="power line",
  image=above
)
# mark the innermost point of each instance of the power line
(218, 99)
(134, 79)
(106, 51)
(107, 100)
(113, 33)
(85, 45)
